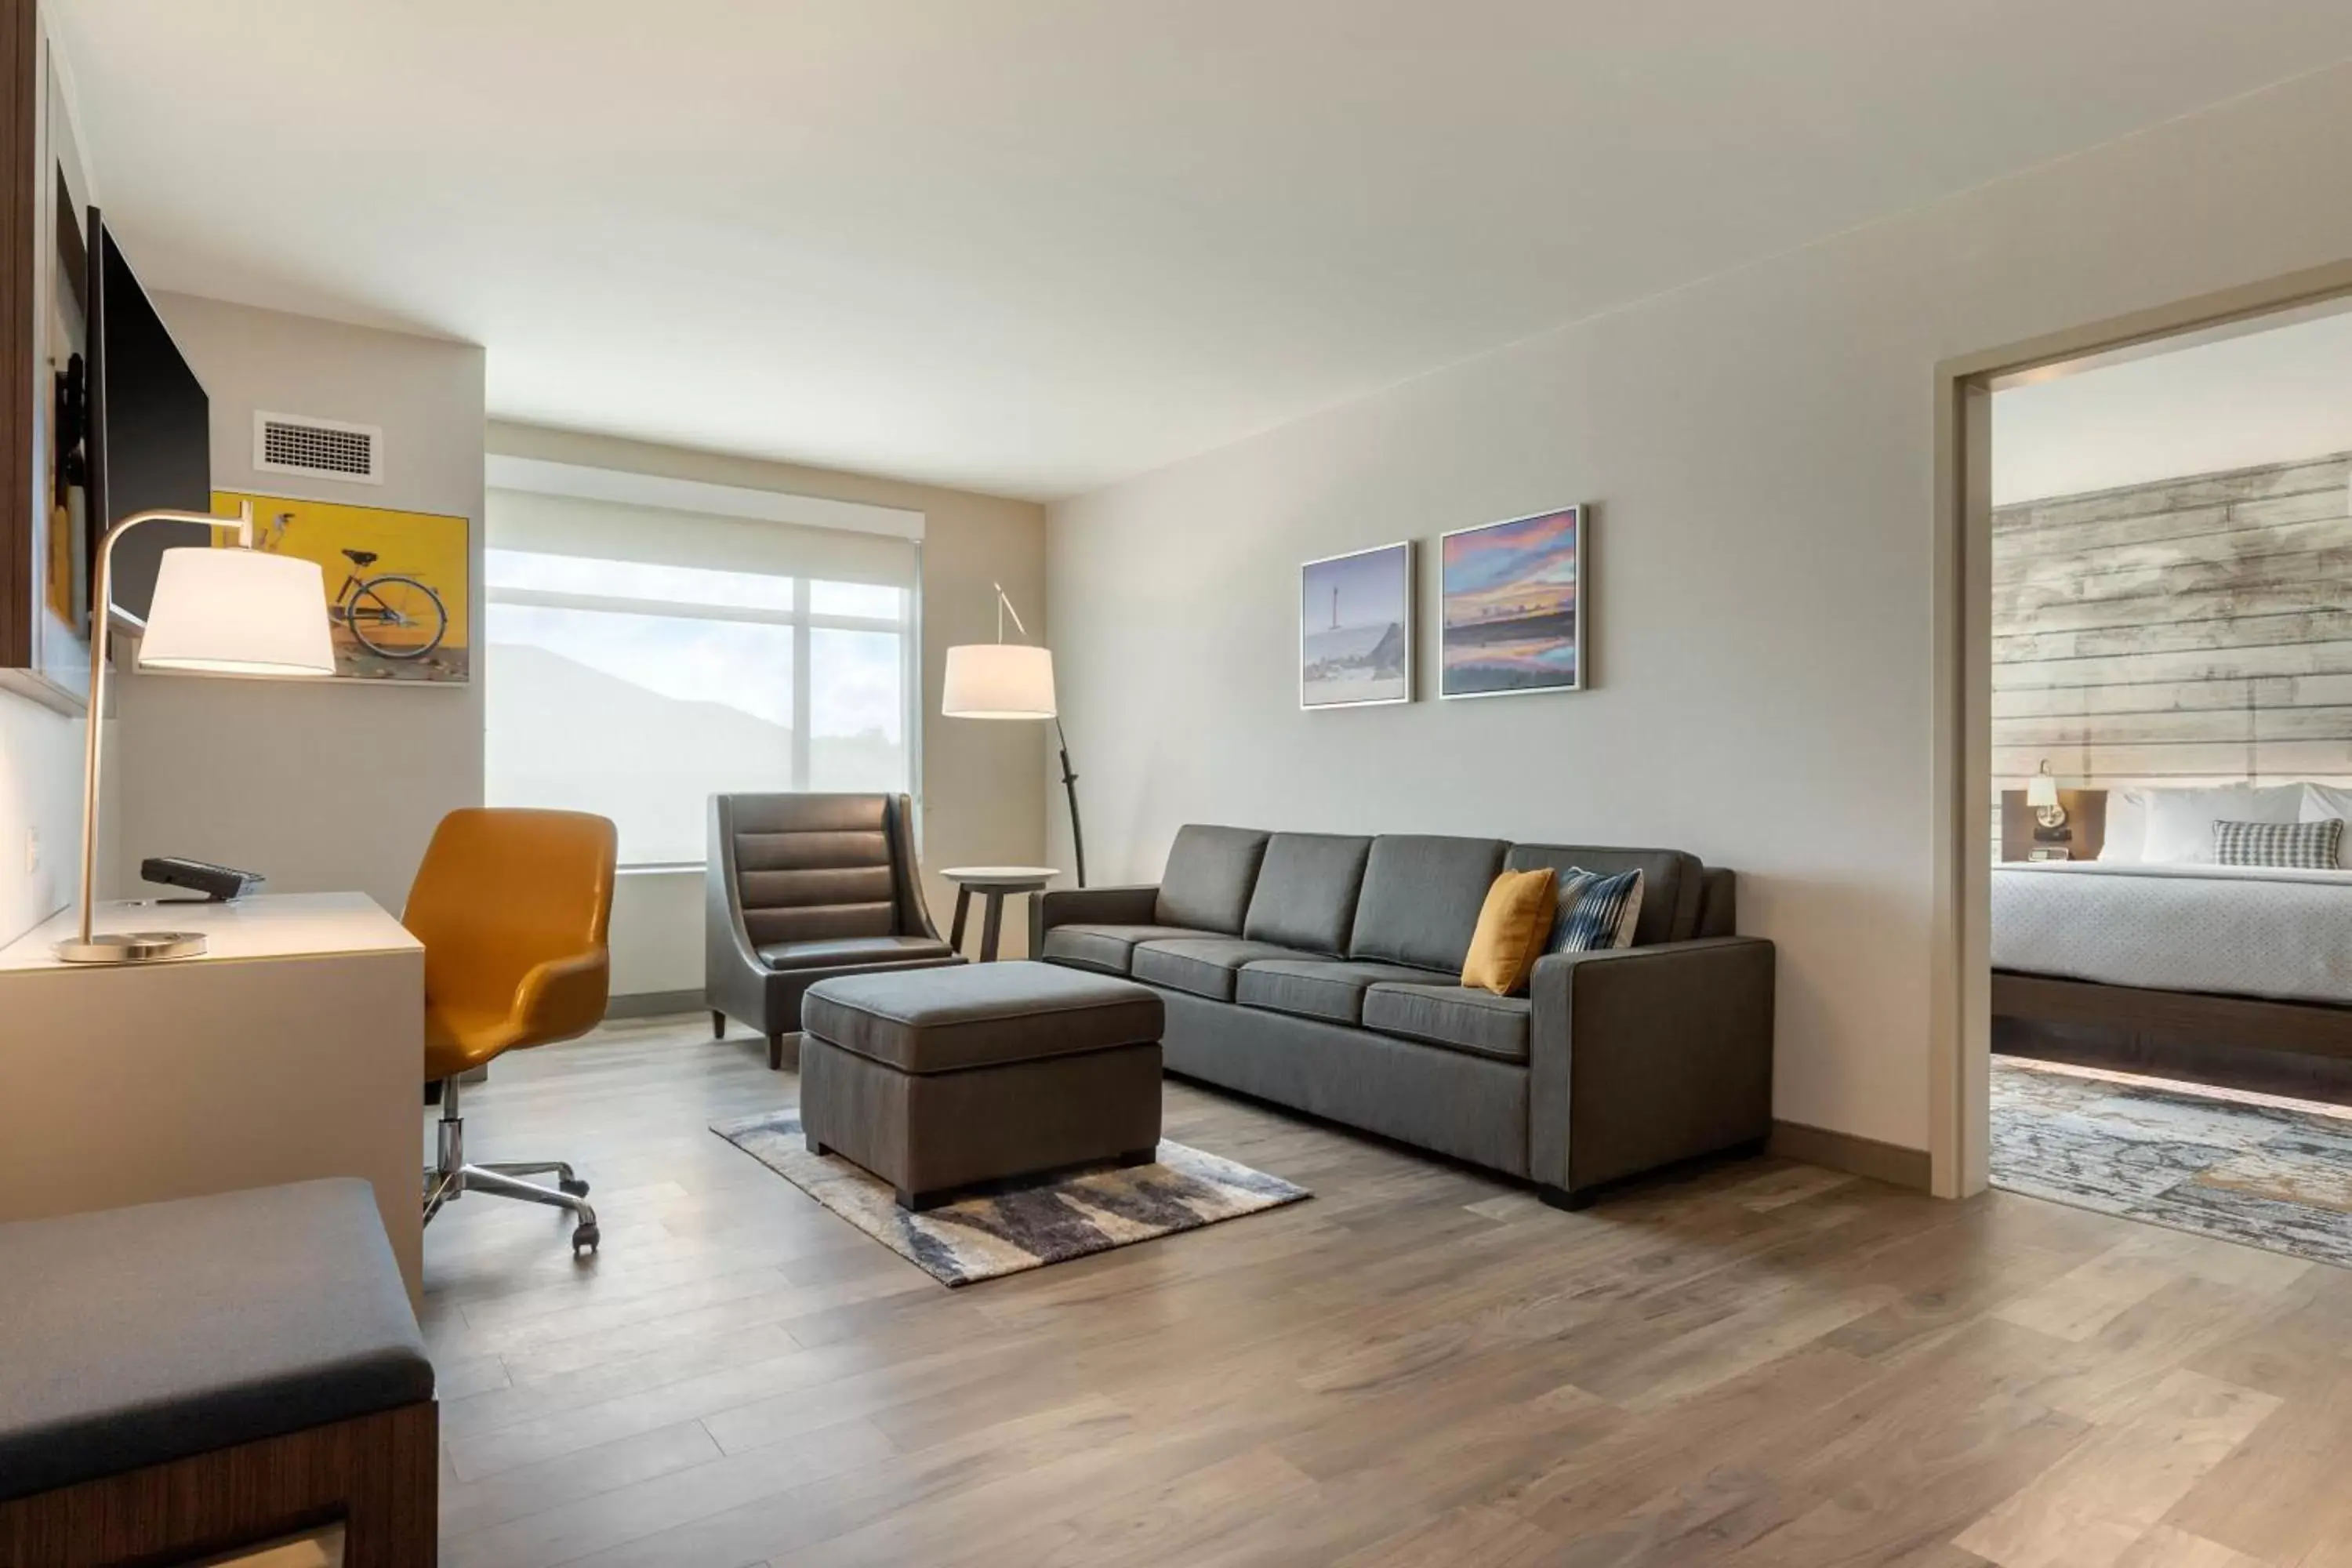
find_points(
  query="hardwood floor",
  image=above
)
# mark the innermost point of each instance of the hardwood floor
(1769, 1364)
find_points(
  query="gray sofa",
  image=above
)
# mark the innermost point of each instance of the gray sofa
(1321, 971)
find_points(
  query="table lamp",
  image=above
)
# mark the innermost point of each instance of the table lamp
(1013, 681)
(216, 612)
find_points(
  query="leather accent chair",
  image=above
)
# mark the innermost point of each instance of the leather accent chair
(512, 907)
(802, 888)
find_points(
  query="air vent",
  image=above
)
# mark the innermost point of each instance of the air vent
(318, 448)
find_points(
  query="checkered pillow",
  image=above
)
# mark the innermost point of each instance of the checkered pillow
(2295, 846)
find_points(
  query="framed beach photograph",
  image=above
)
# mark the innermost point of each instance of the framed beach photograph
(1355, 629)
(1512, 606)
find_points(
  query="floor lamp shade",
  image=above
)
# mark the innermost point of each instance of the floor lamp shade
(237, 612)
(999, 680)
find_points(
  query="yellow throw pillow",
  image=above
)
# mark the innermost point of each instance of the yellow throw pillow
(1511, 930)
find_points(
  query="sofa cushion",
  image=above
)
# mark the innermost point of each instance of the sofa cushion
(979, 1015)
(847, 952)
(1422, 898)
(1670, 882)
(1109, 948)
(1331, 989)
(1203, 965)
(1211, 873)
(1307, 888)
(1455, 1017)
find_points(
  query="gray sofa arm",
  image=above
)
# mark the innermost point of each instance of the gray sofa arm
(1129, 906)
(1638, 1057)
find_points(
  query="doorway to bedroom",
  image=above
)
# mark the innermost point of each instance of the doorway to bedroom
(2171, 749)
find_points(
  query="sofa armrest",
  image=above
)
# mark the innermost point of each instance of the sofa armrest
(1638, 1057)
(1127, 906)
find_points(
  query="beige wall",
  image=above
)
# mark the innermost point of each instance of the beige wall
(1761, 450)
(983, 787)
(319, 786)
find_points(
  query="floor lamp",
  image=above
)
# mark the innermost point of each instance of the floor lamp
(216, 612)
(1013, 681)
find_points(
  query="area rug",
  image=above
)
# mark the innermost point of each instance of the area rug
(1015, 1227)
(2244, 1168)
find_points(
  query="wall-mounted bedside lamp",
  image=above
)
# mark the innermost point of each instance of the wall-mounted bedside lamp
(216, 612)
(2041, 795)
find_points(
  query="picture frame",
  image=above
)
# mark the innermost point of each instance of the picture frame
(1356, 628)
(1512, 610)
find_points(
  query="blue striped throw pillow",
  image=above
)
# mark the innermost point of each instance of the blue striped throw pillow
(1595, 911)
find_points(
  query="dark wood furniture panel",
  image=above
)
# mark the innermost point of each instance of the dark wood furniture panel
(2299, 1048)
(377, 1474)
(2082, 835)
(20, 98)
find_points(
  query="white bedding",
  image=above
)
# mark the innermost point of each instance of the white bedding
(2234, 930)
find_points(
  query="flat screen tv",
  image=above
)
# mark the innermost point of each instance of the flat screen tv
(150, 424)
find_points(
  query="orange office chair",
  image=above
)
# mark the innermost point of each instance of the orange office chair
(512, 908)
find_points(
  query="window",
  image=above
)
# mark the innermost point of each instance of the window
(637, 666)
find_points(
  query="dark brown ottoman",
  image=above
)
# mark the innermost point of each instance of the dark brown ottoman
(936, 1079)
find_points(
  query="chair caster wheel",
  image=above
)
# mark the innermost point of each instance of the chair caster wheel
(574, 1185)
(583, 1239)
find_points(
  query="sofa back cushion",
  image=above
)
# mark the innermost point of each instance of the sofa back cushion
(1422, 898)
(1306, 888)
(1211, 872)
(1670, 882)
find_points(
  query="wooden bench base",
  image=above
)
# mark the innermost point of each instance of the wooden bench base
(378, 1474)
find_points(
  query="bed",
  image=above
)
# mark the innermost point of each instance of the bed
(2240, 975)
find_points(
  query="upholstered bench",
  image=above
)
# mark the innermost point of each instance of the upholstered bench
(937, 1079)
(188, 1377)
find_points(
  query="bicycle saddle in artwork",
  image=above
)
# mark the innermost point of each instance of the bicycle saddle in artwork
(361, 557)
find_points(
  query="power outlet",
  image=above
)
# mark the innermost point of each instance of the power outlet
(32, 850)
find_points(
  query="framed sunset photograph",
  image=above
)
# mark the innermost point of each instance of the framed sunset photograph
(1355, 629)
(1512, 606)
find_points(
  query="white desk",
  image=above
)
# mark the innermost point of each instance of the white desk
(293, 1049)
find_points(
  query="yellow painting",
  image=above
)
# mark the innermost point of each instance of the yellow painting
(398, 589)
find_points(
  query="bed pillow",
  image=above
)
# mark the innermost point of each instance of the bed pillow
(2284, 846)
(1596, 911)
(2323, 802)
(2180, 821)
(2126, 837)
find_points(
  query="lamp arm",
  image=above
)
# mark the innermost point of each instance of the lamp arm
(101, 614)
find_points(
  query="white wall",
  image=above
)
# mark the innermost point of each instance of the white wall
(983, 789)
(40, 793)
(2244, 402)
(319, 785)
(1761, 450)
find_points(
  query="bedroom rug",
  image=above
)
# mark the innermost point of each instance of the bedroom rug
(1019, 1226)
(2250, 1169)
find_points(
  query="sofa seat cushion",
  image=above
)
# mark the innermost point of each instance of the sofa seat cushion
(979, 1015)
(1203, 965)
(137, 1336)
(1455, 1017)
(1109, 948)
(1331, 989)
(853, 952)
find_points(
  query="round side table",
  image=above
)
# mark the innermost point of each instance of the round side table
(993, 883)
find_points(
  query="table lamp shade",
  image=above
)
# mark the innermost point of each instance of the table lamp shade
(999, 680)
(237, 612)
(2041, 791)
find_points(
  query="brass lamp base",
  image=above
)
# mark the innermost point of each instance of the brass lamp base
(130, 947)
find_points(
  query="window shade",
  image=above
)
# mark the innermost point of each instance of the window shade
(616, 530)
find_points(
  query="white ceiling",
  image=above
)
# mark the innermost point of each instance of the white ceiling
(1035, 245)
(2244, 401)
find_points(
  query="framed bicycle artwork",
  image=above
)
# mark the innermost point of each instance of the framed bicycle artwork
(399, 588)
